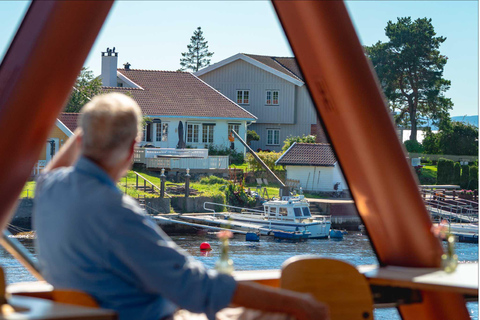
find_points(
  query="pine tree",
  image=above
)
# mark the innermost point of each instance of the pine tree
(197, 55)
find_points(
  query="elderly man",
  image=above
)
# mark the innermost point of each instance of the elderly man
(91, 237)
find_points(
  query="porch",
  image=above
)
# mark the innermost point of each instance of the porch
(170, 158)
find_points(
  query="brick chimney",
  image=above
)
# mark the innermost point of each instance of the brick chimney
(109, 68)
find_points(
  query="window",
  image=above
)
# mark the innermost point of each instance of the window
(272, 97)
(233, 126)
(158, 128)
(273, 136)
(298, 212)
(147, 132)
(165, 131)
(207, 133)
(243, 96)
(306, 212)
(161, 129)
(192, 132)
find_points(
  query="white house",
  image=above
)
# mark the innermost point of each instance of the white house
(173, 100)
(273, 89)
(314, 165)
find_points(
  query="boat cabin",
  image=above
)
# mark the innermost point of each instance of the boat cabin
(288, 208)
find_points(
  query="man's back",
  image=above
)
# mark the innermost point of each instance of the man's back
(94, 239)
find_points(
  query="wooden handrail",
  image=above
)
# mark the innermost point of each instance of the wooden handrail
(153, 185)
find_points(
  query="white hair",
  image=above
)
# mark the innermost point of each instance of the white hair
(110, 123)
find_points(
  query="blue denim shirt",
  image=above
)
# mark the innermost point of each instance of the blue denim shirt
(90, 237)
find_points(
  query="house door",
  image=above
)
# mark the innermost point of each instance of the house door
(52, 148)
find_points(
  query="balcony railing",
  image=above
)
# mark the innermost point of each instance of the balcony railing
(159, 158)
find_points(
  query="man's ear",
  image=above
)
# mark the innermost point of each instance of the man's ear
(131, 149)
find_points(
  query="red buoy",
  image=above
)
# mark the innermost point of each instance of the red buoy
(205, 246)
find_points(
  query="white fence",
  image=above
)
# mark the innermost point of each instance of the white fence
(187, 158)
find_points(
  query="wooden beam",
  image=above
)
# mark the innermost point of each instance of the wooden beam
(36, 77)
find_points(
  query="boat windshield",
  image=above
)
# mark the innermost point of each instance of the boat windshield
(298, 212)
(306, 212)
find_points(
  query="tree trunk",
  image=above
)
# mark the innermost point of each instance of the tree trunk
(413, 125)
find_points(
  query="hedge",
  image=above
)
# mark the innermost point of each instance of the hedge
(465, 178)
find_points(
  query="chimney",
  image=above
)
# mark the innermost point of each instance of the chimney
(127, 66)
(109, 68)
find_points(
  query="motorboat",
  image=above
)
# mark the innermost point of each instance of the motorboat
(289, 214)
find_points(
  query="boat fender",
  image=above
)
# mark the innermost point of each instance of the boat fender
(205, 246)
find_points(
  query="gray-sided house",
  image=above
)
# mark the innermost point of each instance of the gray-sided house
(314, 165)
(178, 105)
(271, 88)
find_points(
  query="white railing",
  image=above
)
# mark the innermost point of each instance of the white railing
(172, 152)
(212, 162)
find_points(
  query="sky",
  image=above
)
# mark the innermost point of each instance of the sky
(152, 34)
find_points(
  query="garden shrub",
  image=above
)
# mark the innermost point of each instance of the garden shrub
(465, 178)
(235, 196)
(213, 180)
(268, 158)
(473, 183)
(456, 173)
(303, 139)
(413, 146)
(445, 171)
(235, 157)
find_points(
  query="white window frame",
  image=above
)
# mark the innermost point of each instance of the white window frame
(271, 138)
(165, 126)
(272, 93)
(158, 131)
(208, 130)
(234, 126)
(193, 137)
(241, 99)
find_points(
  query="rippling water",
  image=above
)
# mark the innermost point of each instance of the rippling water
(269, 254)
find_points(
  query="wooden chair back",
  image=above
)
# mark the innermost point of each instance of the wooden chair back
(336, 283)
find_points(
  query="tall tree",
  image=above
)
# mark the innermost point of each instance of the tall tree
(86, 86)
(410, 69)
(197, 55)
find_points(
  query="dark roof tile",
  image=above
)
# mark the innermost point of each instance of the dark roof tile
(309, 154)
(287, 65)
(175, 93)
(70, 120)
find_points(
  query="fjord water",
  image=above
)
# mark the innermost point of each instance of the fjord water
(268, 254)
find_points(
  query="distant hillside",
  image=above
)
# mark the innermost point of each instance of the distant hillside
(467, 119)
(473, 120)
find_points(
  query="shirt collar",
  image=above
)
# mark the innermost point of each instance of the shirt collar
(88, 167)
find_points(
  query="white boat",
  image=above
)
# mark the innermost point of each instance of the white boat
(287, 214)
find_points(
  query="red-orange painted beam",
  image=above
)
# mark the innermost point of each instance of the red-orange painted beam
(36, 77)
(352, 107)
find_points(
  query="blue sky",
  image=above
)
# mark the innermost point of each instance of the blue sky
(152, 34)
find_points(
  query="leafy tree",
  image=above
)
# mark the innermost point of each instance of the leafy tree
(455, 138)
(252, 136)
(303, 139)
(410, 69)
(86, 87)
(197, 55)
(459, 138)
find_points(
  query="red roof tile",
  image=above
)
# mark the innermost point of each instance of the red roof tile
(70, 120)
(169, 93)
(287, 65)
(309, 154)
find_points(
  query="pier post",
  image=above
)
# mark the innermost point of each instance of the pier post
(187, 183)
(162, 184)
